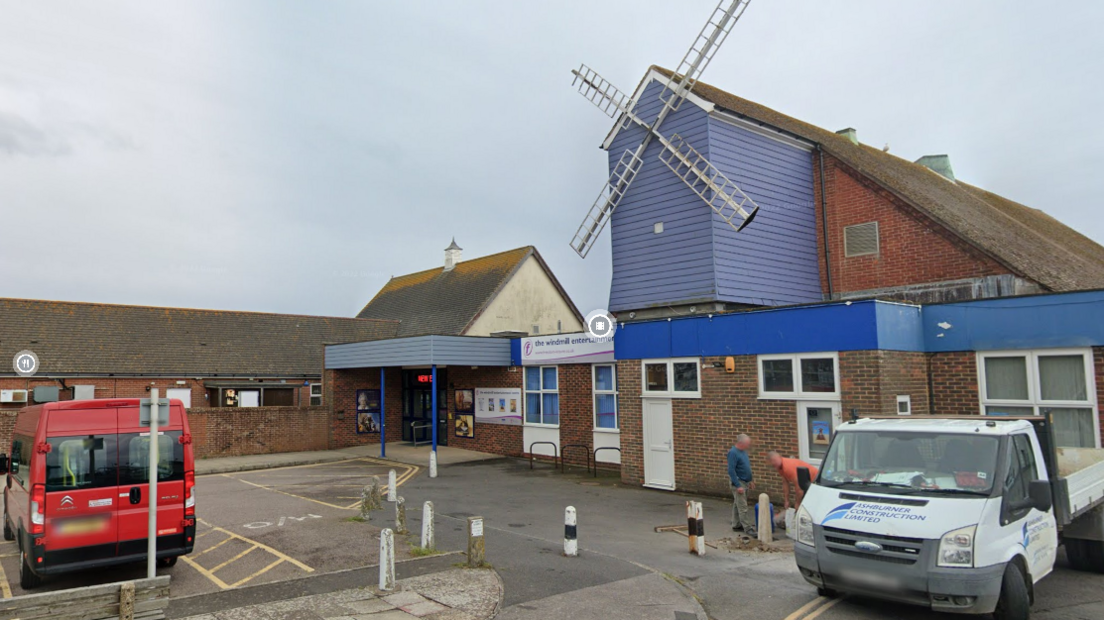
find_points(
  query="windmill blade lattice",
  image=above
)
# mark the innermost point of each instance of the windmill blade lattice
(721, 194)
(598, 216)
(701, 52)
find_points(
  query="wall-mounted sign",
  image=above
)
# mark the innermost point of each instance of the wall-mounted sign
(425, 378)
(465, 401)
(368, 409)
(565, 349)
(465, 425)
(498, 406)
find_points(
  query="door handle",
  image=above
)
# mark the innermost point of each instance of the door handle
(135, 495)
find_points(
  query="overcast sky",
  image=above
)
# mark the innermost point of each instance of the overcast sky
(292, 156)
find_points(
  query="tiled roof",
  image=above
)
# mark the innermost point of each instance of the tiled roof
(445, 303)
(101, 339)
(1028, 241)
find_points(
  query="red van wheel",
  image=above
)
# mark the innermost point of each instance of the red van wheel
(8, 533)
(28, 580)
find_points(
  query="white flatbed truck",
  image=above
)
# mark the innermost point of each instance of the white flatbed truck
(959, 514)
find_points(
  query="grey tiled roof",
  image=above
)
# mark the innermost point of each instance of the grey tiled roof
(101, 339)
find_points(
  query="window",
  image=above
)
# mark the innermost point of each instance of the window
(861, 239)
(676, 378)
(22, 448)
(1057, 382)
(807, 375)
(134, 458)
(542, 397)
(605, 397)
(80, 463)
(315, 394)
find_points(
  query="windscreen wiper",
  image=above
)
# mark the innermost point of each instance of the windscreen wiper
(957, 492)
(888, 485)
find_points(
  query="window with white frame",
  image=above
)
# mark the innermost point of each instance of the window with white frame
(802, 375)
(315, 394)
(542, 396)
(1055, 381)
(605, 397)
(676, 378)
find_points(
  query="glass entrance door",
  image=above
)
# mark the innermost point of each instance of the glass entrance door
(816, 423)
(418, 406)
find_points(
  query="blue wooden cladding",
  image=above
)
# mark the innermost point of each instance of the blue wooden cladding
(698, 257)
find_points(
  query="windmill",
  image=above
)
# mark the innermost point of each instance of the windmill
(687, 163)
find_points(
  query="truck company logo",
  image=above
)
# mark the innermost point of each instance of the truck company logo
(67, 501)
(1032, 530)
(871, 513)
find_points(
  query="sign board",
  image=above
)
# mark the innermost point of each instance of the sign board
(477, 527)
(498, 406)
(577, 348)
(162, 412)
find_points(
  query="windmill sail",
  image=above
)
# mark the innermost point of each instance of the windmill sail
(701, 52)
(598, 216)
(721, 194)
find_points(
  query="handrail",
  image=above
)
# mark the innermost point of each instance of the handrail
(563, 459)
(415, 427)
(597, 450)
(555, 452)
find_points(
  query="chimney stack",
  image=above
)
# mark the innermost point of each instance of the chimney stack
(938, 163)
(452, 255)
(851, 134)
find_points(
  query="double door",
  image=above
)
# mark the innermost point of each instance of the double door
(417, 415)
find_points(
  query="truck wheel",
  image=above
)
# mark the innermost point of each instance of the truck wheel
(1094, 555)
(827, 592)
(1077, 554)
(1014, 602)
(28, 580)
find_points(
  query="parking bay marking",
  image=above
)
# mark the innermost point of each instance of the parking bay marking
(254, 545)
(410, 472)
(814, 608)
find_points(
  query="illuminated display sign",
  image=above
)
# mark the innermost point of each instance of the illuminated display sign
(425, 378)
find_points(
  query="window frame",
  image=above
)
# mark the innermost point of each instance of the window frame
(798, 393)
(1034, 400)
(595, 393)
(525, 392)
(671, 392)
(311, 395)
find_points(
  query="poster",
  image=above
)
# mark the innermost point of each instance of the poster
(465, 425)
(368, 411)
(230, 398)
(820, 431)
(464, 401)
(498, 406)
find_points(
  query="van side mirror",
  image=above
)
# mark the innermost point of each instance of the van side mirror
(3, 464)
(804, 480)
(1039, 493)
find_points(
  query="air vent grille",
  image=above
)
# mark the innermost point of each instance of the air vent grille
(861, 239)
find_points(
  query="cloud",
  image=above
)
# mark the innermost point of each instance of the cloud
(18, 136)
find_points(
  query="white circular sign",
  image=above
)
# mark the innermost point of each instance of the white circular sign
(600, 325)
(25, 363)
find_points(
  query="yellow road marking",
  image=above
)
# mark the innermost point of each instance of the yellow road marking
(234, 559)
(409, 472)
(220, 543)
(206, 573)
(198, 536)
(808, 607)
(265, 547)
(258, 573)
(399, 481)
(5, 589)
(268, 488)
(9, 555)
(823, 609)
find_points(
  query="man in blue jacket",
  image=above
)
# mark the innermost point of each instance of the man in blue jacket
(739, 475)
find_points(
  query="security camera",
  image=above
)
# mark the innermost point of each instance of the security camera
(632, 315)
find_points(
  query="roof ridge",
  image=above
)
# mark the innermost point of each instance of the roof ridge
(468, 261)
(211, 310)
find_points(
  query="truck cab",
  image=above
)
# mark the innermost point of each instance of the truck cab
(959, 515)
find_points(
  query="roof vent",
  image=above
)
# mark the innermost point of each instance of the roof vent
(938, 163)
(452, 255)
(850, 134)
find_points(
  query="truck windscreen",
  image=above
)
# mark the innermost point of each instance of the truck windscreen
(912, 463)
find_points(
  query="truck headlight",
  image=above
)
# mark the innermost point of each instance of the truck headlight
(804, 522)
(956, 548)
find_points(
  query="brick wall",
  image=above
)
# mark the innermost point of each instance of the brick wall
(236, 431)
(1098, 367)
(110, 387)
(576, 412)
(954, 383)
(870, 381)
(339, 390)
(492, 438)
(914, 249)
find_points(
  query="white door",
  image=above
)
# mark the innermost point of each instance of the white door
(659, 444)
(816, 421)
(249, 398)
(184, 394)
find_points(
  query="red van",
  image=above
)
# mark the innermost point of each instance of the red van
(77, 492)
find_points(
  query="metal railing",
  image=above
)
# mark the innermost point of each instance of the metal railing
(555, 452)
(563, 455)
(597, 450)
(415, 427)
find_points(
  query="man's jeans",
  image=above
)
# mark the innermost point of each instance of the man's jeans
(741, 515)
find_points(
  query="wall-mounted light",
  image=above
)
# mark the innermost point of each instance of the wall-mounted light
(730, 364)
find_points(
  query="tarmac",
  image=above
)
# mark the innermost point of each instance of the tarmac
(397, 451)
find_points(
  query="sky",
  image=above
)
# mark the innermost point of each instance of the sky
(293, 156)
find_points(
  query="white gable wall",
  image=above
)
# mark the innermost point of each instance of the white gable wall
(529, 298)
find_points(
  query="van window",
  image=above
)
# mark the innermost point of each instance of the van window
(134, 458)
(22, 447)
(1021, 468)
(80, 463)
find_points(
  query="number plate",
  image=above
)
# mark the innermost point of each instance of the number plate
(870, 580)
(78, 527)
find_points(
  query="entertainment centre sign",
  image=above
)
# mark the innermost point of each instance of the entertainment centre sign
(578, 348)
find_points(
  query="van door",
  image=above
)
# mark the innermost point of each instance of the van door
(134, 453)
(81, 485)
(1029, 528)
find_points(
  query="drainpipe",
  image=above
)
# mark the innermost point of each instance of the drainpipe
(824, 222)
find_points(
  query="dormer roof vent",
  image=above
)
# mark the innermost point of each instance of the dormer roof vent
(452, 255)
(851, 134)
(938, 163)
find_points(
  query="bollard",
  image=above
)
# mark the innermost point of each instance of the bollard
(476, 547)
(391, 491)
(765, 522)
(371, 498)
(571, 532)
(400, 516)
(387, 560)
(427, 525)
(699, 529)
(691, 526)
(433, 464)
(126, 601)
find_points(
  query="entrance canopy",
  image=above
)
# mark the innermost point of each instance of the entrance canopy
(420, 351)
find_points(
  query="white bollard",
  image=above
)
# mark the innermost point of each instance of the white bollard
(699, 526)
(387, 560)
(765, 522)
(427, 525)
(391, 494)
(400, 516)
(571, 533)
(433, 464)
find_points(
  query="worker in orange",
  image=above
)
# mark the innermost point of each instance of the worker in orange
(787, 468)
